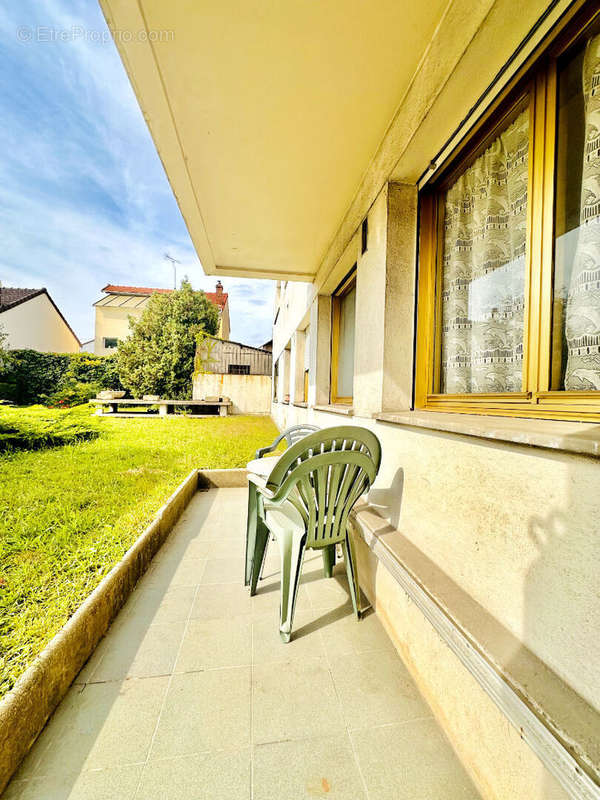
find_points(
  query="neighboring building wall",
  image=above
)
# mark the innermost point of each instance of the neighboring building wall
(113, 312)
(36, 324)
(218, 355)
(250, 394)
(112, 323)
(512, 526)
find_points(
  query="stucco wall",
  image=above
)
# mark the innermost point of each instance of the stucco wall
(250, 394)
(514, 526)
(36, 325)
(112, 322)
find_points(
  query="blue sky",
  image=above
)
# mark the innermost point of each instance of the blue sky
(85, 200)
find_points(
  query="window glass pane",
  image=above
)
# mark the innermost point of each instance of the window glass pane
(345, 373)
(483, 270)
(576, 298)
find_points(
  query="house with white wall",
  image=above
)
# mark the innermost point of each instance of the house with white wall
(423, 181)
(32, 320)
(119, 303)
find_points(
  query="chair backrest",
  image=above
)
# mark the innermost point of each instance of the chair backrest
(297, 432)
(328, 470)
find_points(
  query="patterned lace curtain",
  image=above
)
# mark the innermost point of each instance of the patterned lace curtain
(484, 268)
(583, 302)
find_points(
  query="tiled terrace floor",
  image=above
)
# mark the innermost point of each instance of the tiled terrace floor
(193, 696)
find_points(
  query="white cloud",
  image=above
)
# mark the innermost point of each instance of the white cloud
(85, 201)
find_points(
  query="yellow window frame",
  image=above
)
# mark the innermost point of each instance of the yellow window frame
(536, 84)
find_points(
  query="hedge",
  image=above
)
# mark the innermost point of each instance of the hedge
(31, 377)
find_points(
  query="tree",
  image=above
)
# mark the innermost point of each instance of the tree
(158, 355)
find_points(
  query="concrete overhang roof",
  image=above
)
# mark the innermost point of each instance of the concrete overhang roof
(267, 114)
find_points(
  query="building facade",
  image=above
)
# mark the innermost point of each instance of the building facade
(33, 321)
(121, 302)
(238, 371)
(435, 234)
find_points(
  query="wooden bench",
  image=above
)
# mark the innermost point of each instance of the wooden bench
(165, 407)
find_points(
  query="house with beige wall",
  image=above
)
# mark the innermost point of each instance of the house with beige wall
(32, 321)
(423, 182)
(122, 302)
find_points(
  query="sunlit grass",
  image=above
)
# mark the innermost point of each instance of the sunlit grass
(68, 514)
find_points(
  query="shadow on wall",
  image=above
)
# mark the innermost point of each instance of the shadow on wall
(388, 501)
(562, 582)
(560, 599)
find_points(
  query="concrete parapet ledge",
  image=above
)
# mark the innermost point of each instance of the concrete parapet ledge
(25, 710)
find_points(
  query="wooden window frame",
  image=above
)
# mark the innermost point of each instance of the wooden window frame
(346, 286)
(537, 81)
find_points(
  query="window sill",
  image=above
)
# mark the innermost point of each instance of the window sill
(347, 411)
(300, 404)
(570, 437)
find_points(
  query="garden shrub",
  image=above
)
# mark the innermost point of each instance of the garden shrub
(36, 428)
(32, 377)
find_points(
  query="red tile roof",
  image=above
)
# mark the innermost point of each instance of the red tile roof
(217, 298)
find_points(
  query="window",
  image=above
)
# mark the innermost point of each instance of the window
(275, 380)
(239, 369)
(342, 340)
(110, 342)
(509, 273)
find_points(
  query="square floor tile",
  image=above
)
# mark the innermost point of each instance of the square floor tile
(346, 634)
(139, 651)
(104, 725)
(154, 605)
(293, 701)
(205, 711)
(216, 643)
(116, 784)
(173, 572)
(205, 776)
(268, 647)
(307, 768)
(423, 766)
(327, 592)
(375, 688)
(267, 597)
(223, 570)
(222, 602)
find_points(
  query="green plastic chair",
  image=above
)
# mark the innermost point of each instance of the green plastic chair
(306, 502)
(290, 436)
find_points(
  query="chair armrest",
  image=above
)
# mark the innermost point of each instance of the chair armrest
(264, 450)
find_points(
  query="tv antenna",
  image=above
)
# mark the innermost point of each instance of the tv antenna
(173, 262)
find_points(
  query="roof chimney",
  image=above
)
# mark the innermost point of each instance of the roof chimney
(219, 287)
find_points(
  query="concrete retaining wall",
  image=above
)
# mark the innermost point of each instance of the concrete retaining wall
(250, 394)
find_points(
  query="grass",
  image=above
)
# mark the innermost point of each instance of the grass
(38, 427)
(68, 514)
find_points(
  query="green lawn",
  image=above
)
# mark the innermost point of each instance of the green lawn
(68, 514)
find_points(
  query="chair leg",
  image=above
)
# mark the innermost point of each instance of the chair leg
(352, 573)
(250, 531)
(329, 560)
(261, 540)
(291, 549)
